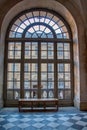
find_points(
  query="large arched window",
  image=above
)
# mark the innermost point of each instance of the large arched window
(38, 57)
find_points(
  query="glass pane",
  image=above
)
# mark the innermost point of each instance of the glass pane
(34, 85)
(26, 67)
(16, 95)
(43, 54)
(50, 46)
(44, 67)
(10, 76)
(14, 67)
(17, 54)
(9, 95)
(43, 76)
(27, 54)
(10, 54)
(50, 94)
(10, 66)
(67, 67)
(50, 54)
(17, 67)
(60, 94)
(16, 85)
(66, 55)
(64, 29)
(34, 94)
(60, 76)
(50, 67)
(60, 67)
(66, 46)
(50, 85)
(27, 94)
(34, 76)
(60, 54)
(67, 76)
(11, 46)
(43, 85)
(67, 85)
(44, 94)
(34, 46)
(34, 54)
(26, 76)
(17, 76)
(67, 94)
(34, 67)
(27, 46)
(44, 46)
(17, 46)
(26, 85)
(9, 85)
(60, 46)
(61, 85)
(51, 76)
(12, 34)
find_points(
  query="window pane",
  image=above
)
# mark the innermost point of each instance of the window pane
(9, 95)
(59, 46)
(67, 76)
(9, 85)
(60, 94)
(61, 85)
(51, 76)
(60, 67)
(11, 46)
(27, 76)
(34, 94)
(50, 67)
(44, 67)
(11, 54)
(44, 46)
(67, 67)
(17, 54)
(10, 76)
(34, 55)
(44, 94)
(67, 94)
(67, 85)
(17, 76)
(60, 76)
(16, 95)
(60, 54)
(50, 85)
(43, 76)
(66, 46)
(43, 85)
(66, 55)
(43, 54)
(50, 94)
(26, 85)
(27, 94)
(50, 54)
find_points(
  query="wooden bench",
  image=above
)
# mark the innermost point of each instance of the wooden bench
(43, 104)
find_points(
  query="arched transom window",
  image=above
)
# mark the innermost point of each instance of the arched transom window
(38, 57)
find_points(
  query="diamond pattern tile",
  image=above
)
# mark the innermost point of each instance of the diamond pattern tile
(64, 119)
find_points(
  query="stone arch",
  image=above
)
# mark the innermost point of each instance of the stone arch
(58, 7)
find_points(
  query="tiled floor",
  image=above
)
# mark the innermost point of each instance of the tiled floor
(68, 118)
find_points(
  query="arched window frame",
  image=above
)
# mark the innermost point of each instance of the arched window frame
(54, 39)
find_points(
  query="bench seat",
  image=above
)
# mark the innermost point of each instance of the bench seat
(38, 103)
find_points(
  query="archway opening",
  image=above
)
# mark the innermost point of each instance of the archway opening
(38, 58)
